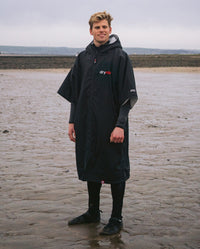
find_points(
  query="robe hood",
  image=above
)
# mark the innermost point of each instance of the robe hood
(122, 68)
(113, 42)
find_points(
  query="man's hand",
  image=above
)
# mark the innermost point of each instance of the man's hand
(117, 136)
(71, 133)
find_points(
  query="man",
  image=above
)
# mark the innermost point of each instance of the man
(101, 89)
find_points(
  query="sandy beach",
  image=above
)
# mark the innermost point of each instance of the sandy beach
(39, 189)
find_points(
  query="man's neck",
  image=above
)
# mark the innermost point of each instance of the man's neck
(98, 44)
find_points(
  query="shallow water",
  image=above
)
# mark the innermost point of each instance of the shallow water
(39, 188)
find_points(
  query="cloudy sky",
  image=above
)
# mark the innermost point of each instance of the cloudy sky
(171, 24)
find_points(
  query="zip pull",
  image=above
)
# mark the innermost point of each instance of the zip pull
(95, 61)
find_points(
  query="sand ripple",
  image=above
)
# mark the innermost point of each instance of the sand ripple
(39, 186)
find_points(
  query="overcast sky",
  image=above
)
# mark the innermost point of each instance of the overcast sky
(139, 23)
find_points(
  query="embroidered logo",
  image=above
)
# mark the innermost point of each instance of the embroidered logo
(105, 72)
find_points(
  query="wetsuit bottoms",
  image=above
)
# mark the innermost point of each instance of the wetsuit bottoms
(117, 190)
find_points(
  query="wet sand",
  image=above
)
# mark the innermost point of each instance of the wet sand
(39, 189)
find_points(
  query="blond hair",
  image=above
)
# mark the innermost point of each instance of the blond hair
(97, 17)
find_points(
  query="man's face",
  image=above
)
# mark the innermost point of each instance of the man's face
(100, 31)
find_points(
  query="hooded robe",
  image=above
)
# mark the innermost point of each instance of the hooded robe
(99, 83)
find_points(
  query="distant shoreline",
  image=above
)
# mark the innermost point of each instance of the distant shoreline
(62, 62)
(138, 69)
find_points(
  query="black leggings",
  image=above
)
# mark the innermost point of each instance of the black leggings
(117, 190)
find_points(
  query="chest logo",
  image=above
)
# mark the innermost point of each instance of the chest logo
(105, 72)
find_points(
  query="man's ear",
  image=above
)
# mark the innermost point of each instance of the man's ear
(90, 31)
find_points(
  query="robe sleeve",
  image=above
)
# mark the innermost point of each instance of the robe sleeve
(72, 113)
(69, 87)
(123, 115)
(126, 88)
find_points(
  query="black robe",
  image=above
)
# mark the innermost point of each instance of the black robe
(100, 81)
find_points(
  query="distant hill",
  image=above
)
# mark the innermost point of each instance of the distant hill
(160, 51)
(21, 50)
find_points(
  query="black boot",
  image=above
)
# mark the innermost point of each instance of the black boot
(114, 226)
(85, 218)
